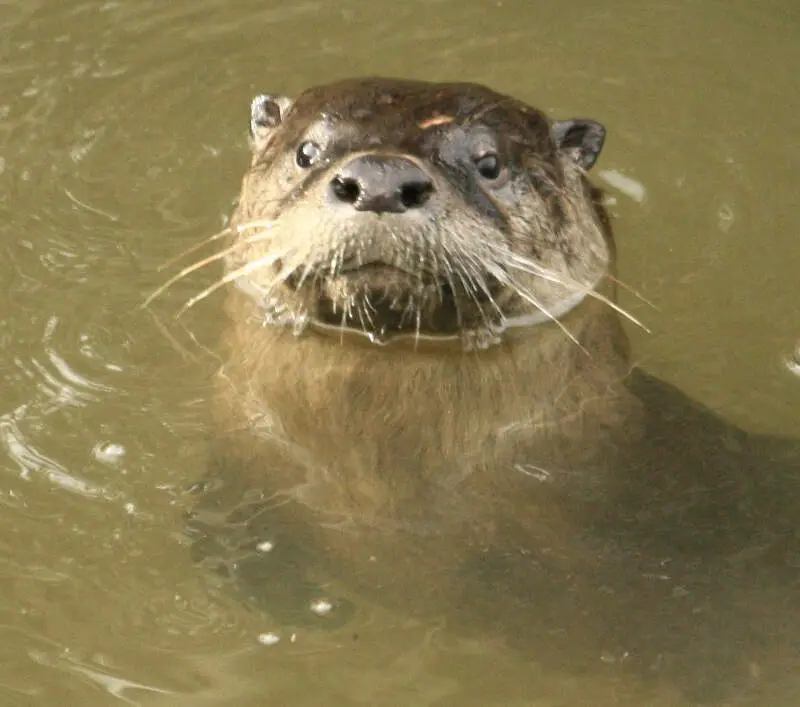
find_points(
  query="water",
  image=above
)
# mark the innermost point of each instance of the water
(122, 141)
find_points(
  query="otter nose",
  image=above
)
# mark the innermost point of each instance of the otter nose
(382, 184)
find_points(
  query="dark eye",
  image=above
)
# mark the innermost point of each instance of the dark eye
(307, 154)
(488, 166)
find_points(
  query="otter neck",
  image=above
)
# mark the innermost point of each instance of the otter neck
(445, 409)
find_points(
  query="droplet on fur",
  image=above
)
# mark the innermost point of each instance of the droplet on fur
(299, 325)
(380, 338)
(479, 339)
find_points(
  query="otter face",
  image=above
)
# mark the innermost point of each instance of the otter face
(396, 207)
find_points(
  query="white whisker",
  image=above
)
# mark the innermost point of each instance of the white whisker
(230, 277)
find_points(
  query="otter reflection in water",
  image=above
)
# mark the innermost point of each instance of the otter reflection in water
(428, 395)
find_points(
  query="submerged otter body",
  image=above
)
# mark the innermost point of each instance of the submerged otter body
(427, 385)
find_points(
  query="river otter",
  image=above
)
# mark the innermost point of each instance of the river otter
(427, 384)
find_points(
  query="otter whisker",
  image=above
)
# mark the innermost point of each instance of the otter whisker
(475, 267)
(620, 310)
(304, 273)
(308, 266)
(533, 300)
(459, 266)
(525, 265)
(449, 270)
(337, 261)
(418, 328)
(451, 283)
(230, 277)
(529, 266)
(194, 247)
(368, 309)
(633, 291)
(364, 318)
(290, 267)
(347, 308)
(257, 237)
(263, 224)
(409, 310)
(470, 284)
(315, 281)
(188, 271)
(349, 305)
(590, 292)
(227, 230)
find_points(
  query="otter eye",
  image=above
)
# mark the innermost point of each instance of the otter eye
(488, 166)
(307, 154)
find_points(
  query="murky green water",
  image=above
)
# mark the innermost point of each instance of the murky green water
(122, 141)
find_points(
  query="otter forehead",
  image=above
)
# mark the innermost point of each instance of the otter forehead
(402, 112)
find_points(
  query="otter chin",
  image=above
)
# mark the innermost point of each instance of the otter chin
(509, 466)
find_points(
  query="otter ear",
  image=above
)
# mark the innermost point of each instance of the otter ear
(266, 113)
(581, 139)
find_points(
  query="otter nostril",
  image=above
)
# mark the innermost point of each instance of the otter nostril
(346, 189)
(381, 184)
(415, 194)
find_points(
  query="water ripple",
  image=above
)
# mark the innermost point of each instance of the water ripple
(31, 461)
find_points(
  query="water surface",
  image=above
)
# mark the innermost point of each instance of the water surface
(122, 140)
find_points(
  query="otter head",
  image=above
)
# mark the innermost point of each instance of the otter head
(392, 207)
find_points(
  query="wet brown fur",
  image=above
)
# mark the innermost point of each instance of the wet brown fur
(414, 438)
